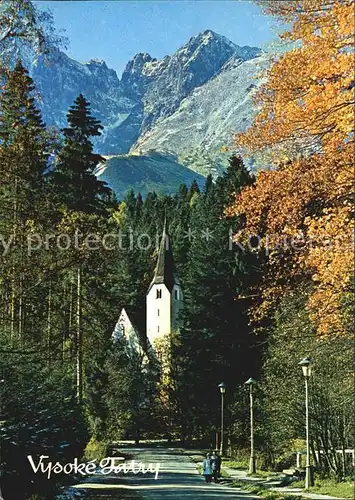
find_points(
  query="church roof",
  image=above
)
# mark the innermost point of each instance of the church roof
(165, 270)
(137, 317)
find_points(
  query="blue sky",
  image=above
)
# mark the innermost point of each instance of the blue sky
(116, 30)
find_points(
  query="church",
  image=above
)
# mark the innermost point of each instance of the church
(144, 330)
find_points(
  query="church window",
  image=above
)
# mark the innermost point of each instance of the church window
(158, 293)
(176, 294)
(158, 328)
(158, 312)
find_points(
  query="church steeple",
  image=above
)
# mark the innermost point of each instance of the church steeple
(164, 297)
(165, 270)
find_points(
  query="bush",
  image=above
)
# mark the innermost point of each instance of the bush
(95, 450)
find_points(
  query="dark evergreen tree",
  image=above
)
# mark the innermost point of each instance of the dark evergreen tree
(73, 179)
(194, 188)
(231, 181)
(24, 146)
(208, 184)
(179, 225)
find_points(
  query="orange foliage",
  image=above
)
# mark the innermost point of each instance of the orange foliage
(302, 209)
(333, 267)
(308, 99)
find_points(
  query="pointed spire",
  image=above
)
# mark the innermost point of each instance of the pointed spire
(165, 270)
(164, 226)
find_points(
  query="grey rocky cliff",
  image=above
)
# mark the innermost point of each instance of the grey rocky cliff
(149, 92)
(203, 125)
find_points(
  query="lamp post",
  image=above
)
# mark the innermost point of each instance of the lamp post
(1, 386)
(222, 388)
(305, 364)
(252, 468)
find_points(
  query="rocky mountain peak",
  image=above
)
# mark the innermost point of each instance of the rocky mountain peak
(212, 41)
(97, 62)
(207, 42)
(209, 37)
(135, 65)
(99, 68)
(133, 80)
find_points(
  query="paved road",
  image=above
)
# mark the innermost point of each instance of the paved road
(178, 479)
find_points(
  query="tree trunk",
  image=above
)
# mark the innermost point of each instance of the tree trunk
(79, 342)
(14, 235)
(12, 305)
(49, 322)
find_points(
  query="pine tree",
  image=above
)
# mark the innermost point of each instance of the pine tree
(194, 188)
(73, 176)
(208, 184)
(231, 181)
(24, 151)
(83, 204)
(23, 142)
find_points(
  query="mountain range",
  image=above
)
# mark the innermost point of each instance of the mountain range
(185, 106)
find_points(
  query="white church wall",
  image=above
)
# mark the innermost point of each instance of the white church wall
(158, 312)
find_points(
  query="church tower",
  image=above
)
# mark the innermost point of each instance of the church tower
(164, 297)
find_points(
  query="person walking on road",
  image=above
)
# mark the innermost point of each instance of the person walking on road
(216, 466)
(207, 468)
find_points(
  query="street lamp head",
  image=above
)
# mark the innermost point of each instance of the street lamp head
(222, 387)
(305, 364)
(250, 381)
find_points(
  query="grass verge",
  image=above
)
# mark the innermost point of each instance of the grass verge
(241, 465)
(264, 474)
(255, 489)
(325, 487)
(330, 487)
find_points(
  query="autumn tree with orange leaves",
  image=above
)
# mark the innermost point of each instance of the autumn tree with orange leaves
(301, 206)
